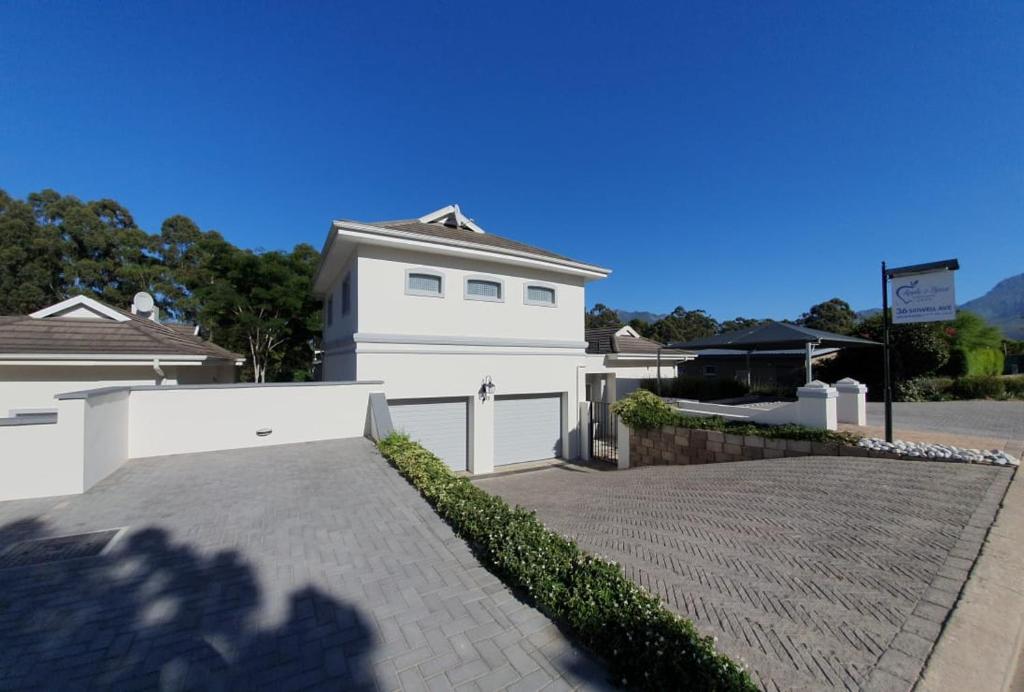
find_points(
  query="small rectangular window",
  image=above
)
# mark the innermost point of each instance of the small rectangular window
(710, 371)
(540, 295)
(424, 284)
(483, 289)
(330, 310)
(346, 295)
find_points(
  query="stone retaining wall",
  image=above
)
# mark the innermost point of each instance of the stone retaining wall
(669, 446)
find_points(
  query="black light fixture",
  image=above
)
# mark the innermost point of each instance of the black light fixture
(486, 388)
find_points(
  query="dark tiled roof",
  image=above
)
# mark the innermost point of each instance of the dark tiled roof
(438, 231)
(603, 340)
(23, 334)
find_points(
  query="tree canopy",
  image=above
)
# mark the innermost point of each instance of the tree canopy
(257, 303)
(833, 315)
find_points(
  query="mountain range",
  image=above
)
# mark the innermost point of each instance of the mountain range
(1002, 306)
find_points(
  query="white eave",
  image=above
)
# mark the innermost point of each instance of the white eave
(90, 304)
(108, 359)
(366, 234)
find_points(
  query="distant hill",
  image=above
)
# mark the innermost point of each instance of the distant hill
(1003, 306)
(630, 315)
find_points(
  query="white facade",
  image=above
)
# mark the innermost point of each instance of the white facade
(446, 344)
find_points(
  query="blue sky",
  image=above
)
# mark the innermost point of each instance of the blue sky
(745, 158)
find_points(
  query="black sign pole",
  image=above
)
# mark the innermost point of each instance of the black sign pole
(887, 379)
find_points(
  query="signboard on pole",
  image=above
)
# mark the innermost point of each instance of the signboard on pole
(927, 297)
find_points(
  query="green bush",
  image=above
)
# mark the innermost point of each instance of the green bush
(643, 410)
(925, 389)
(979, 387)
(985, 361)
(1014, 386)
(699, 388)
(646, 646)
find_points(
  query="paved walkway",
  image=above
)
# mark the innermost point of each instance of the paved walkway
(819, 573)
(982, 645)
(293, 567)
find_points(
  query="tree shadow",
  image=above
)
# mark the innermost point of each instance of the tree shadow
(152, 613)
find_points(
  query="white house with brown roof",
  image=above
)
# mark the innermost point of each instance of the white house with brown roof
(619, 360)
(478, 338)
(81, 343)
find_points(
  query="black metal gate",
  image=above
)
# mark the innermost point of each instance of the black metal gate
(604, 435)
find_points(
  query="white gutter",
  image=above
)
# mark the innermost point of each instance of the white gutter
(157, 369)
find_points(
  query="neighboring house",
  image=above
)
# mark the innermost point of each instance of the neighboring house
(619, 359)
(81, 343)
(478, 339)
(779, 368)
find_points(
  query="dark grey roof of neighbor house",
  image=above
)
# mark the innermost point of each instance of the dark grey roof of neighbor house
(797, 353)
(137, 335)
(441, 232)
(773, 336)
(603, 340)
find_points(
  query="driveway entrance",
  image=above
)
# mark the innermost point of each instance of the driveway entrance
(308, 566)
(819, 573)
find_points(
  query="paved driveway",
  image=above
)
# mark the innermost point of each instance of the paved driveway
(819, 573)
(299, 566)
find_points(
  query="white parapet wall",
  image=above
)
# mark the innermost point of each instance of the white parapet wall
(96, 431)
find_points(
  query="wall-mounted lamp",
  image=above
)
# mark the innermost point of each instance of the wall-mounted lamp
(486, 388)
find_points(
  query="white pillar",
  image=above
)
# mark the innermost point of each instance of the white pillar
(852, 406)
(816, 405)
(481, 435)
(622, 435)
(610, 388)
(585, 430)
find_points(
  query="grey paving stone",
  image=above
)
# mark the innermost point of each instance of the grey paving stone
(291, 567)
(806, 569)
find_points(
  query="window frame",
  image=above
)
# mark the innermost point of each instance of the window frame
(483, 278)
(329, 309)
(426, 272)
(346, 295)
(541, 304)
(710, 370)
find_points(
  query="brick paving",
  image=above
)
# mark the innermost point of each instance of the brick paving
(818, 572)
(310, 566)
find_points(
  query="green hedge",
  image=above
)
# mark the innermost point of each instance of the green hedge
(643, 410)
(646, 646)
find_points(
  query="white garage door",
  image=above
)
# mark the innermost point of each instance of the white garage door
(527, 428)
(437, 424)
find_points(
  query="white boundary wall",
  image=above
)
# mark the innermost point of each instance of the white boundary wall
(98, 430)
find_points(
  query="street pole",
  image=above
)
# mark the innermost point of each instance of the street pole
(886, 375)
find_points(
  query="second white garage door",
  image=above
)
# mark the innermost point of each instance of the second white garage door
(527, 428)
(437, 424)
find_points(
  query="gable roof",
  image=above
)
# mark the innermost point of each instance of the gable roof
(449, 229)
(113, 332)
(626, 341)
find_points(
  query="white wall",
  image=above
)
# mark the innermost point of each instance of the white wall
(105, 435)
(384, 307)
(35, 386)
(183, 419)
(41, 460)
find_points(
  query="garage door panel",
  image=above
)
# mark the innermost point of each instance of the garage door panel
(437, 424)
(527, 428)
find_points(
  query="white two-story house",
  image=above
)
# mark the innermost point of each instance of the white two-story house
(478, 339)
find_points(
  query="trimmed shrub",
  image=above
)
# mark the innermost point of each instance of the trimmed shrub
(925, 389)
(646, 646)
(642, 410)
(1014, 386)
(979, 387)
